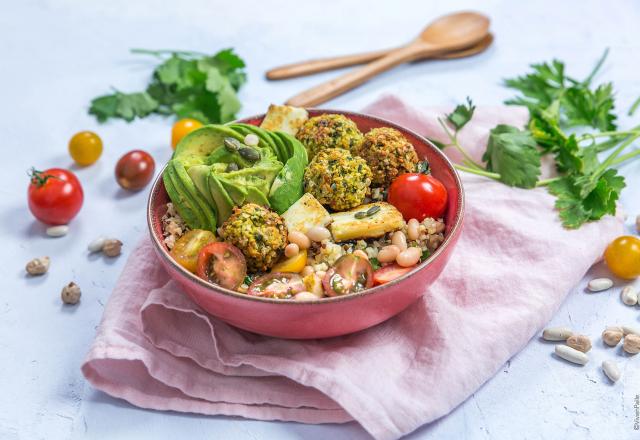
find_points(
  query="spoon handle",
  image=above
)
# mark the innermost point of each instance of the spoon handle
(323, 64)
(337, 86)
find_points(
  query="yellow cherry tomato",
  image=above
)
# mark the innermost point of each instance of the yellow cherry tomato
(294, 264)
(85, 148)
(623, 256)
(185, 250)
(182, 128)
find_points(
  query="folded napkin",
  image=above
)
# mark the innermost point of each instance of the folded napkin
(513, 266)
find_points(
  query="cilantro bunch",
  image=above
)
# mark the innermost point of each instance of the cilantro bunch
(572, 121)
(185, 84)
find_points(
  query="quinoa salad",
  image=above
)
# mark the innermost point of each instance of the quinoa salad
(300, 208)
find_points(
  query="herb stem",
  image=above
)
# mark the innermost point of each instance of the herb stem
(612, 157)
(479, 172)
(634, 106)
(161, 52)
(597, 67)
(546, 182)
(586, 136)
(625, 157)
(457, 146)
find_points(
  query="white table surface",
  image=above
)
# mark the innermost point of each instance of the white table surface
(57, 55)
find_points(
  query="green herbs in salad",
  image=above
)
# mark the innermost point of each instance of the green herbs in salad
(570, 120)
(185, 84)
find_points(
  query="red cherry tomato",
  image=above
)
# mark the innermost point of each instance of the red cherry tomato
(222, 264)
(418, 196)
(350, 274)
(55, 196)
(281, 285)
(390, 273)
(135, 169)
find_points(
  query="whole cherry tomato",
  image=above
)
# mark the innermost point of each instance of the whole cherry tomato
(182, 128)
(623, 256)
(418, 196)
(55, 196)
(222, 264)
(85, 148)
(135, 170)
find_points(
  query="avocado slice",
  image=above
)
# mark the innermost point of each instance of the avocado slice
(194, 217)
(182, 205)
(245, 129)
(194, 196)
(194, 148)
(254, 195)
(282, 153)
(237, 192)
(224, 204)
(288, 185)
(199, 174)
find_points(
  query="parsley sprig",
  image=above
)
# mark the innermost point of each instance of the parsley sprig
(561, 110)
(185, 84)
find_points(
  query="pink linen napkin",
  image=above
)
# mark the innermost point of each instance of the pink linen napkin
(512, 268)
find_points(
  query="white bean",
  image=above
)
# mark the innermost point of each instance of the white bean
(630, 330)
(629, 296)
(308, 270)
(611, 369)
(599, 284)
(360, 253)
(57, 231)
(251, 140)
(291, 250)
(300, 239)
(410, 257)
(318, 233)
(305, 296)
(572, 355)
(556, 333)
(388, 253)
(413, 229)
(96, 245)
(399, 239)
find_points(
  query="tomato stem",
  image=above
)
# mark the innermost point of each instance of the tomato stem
(37, 177)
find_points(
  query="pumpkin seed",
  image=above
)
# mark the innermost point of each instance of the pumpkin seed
(249, 154)
(368, 213)
(232, 144)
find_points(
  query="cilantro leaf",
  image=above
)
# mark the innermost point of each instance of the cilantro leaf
(513, 154)
(127, 106)
(461, 114)
(185, 84)
(585, 198)
(541, 87)
(584, 107)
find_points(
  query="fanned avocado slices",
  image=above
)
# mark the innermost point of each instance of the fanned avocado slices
(205, 179)
(288, 185)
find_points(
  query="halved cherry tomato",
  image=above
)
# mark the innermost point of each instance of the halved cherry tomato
(222, 264)
(55, 196)
(623, 256)
(294, 264)
(277, 285)
(349, 274)
(418, 196)
(390, 273)
(182, 128)
(186, 249)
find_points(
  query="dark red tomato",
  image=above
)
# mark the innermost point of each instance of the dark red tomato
(390, 273)
(55, 196)
(281, 285)
(222, 264)
(350, 274)
(418, 196)
(135, 170)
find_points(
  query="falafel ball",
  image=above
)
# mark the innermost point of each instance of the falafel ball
(388, 153)
(258, 232)
(329, 131)
(338, 179)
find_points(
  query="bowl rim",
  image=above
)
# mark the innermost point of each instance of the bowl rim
(454, 231)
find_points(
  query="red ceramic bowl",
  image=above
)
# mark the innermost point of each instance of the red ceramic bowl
(328, 316)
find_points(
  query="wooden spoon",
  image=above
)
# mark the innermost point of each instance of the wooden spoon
(449, 33)
(323, 64)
